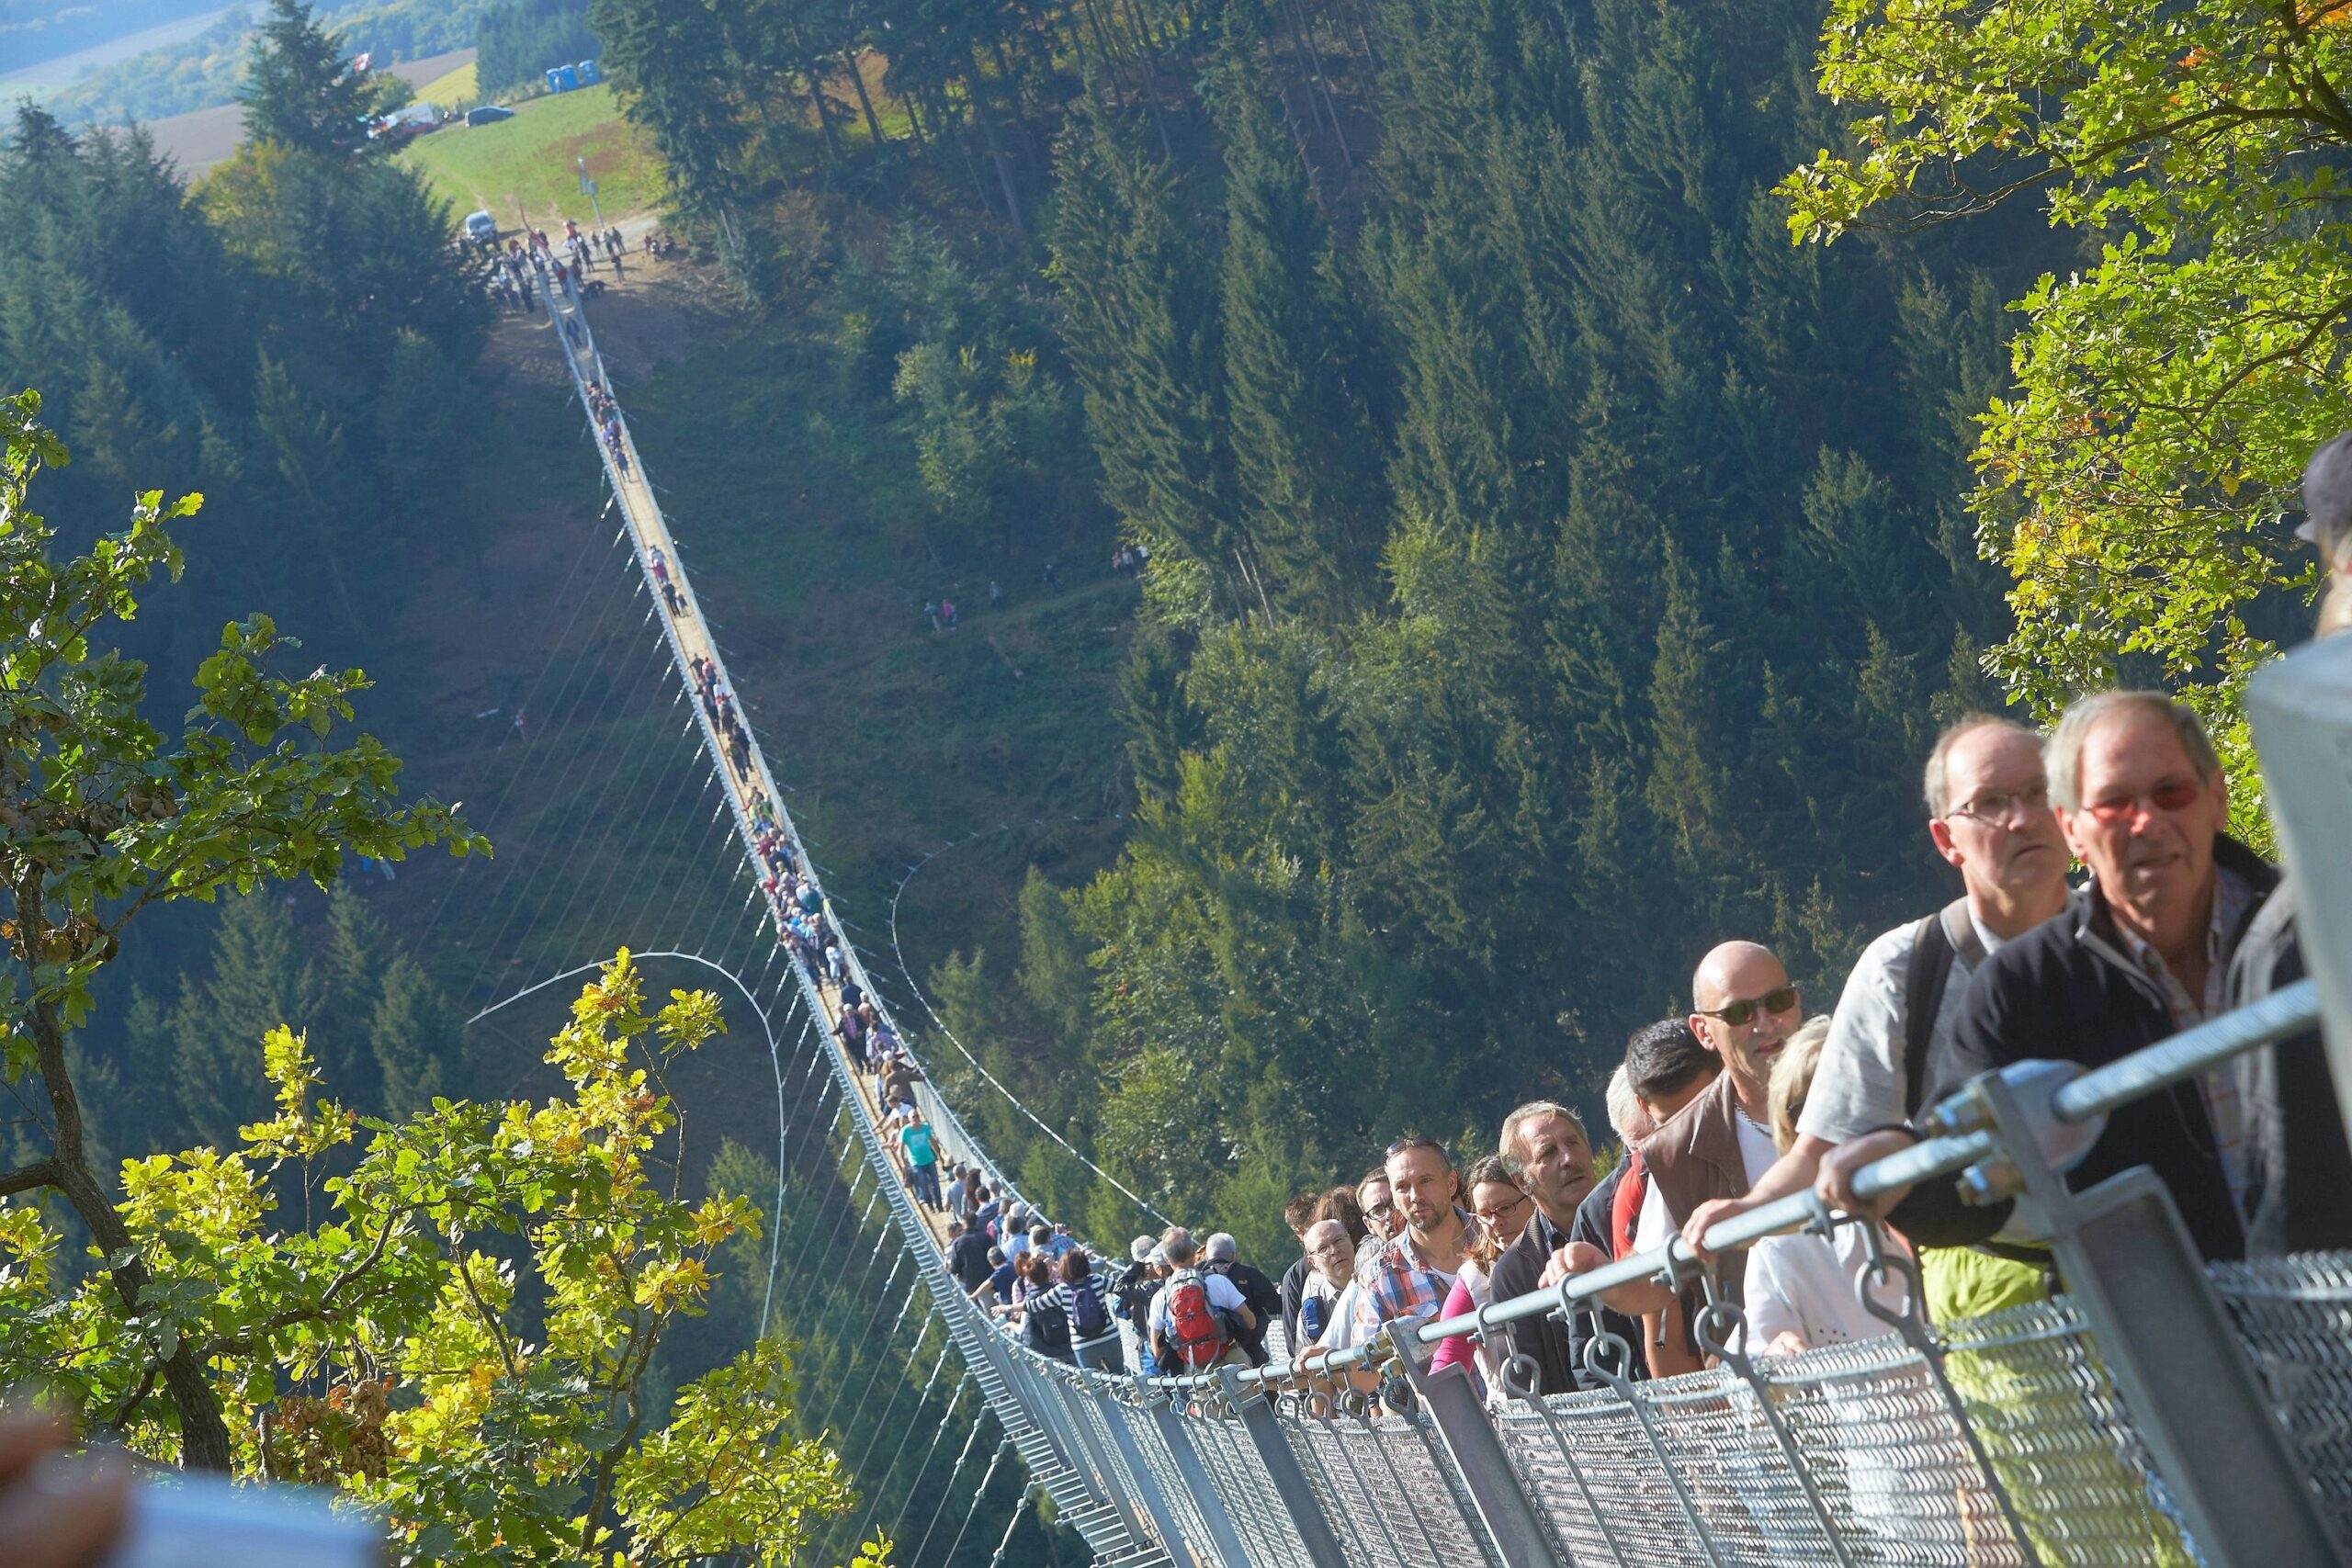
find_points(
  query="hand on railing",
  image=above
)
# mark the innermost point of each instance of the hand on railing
(1842, 1164)
(1582, 1258)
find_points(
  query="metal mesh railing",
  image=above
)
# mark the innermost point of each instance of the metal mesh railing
(2059, 1439)
(2295, 1317)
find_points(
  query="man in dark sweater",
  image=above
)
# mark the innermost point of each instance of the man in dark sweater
(967, 1256)
(1298, 1213)
(1257, 1293)
(1544, 1145)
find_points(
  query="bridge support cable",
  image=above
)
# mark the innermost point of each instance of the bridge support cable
(947, 1489)
(939, 1430)
(562, 728)
(631, 863)
(979, 1494)
(596, 540)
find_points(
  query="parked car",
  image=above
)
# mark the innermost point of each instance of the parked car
(482, 228)
(487, 114)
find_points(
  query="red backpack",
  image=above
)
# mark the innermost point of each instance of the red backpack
(1196, 1332)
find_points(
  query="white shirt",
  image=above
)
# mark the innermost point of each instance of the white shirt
(1860, 1085)
(1806, 1282)
(1756, 1155)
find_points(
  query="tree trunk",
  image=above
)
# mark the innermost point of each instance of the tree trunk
(914, 122)
(1103, 47)
(204, 1436)
(1304, 36)
(1142, 24)
(942, 116)
(824, 113)
(857, 80)
(997, 154)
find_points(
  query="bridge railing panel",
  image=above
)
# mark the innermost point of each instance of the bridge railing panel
(1889, 1456)
(2295, 1317)
(2060, 1440)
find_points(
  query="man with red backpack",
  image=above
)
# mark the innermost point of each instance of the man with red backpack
(1197, 1319)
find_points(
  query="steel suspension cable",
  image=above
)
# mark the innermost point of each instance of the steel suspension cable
(549, 725)
(971, 1436)
(605, 597)
(530, 695)
(948, 1422)
(973, 1512)
(621, 842)
(701, 859)
(921, 1400)
(578, 843)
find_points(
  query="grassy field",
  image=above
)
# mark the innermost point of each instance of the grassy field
(452, 90)
(529, 162)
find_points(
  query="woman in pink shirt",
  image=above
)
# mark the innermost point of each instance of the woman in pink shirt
(1502, 1209)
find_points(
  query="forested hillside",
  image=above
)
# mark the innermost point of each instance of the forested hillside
(1552, 571)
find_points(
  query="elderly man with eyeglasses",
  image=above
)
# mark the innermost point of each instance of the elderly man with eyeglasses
(1989, 816)
(2141, 954)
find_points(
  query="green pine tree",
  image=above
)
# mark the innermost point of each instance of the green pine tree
(259, 978)
(301, 92)
(1303, 447)
(414, 1037)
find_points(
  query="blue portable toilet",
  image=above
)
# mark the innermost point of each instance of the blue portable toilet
(554, 79)
(589, 74)
(570, 76)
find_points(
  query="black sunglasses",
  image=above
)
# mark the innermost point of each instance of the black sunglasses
(1403, 1145)
(1738, 1013)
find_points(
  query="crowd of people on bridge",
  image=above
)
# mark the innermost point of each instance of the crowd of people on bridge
(1745, 1096)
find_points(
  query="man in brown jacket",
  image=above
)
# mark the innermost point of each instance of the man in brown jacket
(1743, 1009)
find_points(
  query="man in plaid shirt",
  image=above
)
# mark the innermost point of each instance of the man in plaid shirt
(1411, 1275)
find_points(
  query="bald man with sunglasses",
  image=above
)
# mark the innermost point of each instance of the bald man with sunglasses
(2141, 954)
(1743, 1009)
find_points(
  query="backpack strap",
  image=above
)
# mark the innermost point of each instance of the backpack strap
(1932, 950)
(1960, 931)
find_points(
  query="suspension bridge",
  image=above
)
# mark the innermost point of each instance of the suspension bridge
(2161, 1411)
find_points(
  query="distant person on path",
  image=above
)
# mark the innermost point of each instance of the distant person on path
(1053, 583)
(947, 613)
(996, 595)
(921, 1146)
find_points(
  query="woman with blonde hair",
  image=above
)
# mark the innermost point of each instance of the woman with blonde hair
(1802, 1288)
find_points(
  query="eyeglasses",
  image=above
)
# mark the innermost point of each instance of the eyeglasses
(1998, 807)
(2173, 795)
(1386, 1206)
(1780, 1000)
(1495, 1216)
(1403, 1145)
